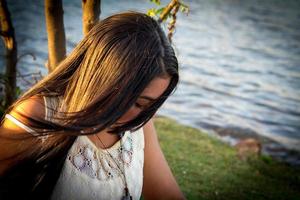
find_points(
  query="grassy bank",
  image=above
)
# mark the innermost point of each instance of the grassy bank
(206, 168)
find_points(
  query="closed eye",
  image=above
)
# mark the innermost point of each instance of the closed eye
(140, 106)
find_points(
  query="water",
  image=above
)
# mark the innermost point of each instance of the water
(239, 63)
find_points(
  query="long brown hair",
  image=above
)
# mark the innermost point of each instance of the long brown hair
(98, 82)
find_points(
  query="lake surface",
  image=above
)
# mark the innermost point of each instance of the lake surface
(239, 64)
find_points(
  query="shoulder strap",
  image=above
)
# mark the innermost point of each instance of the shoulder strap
(20, 124)
(51, 104)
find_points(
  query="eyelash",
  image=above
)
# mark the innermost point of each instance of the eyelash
(139, 105)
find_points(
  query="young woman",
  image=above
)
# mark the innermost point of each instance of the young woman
(85, 130)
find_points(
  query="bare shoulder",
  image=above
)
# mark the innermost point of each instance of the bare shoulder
(33, 107)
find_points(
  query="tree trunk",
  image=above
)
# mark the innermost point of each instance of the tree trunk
(8, 36)
(90, 14)
(56, 33)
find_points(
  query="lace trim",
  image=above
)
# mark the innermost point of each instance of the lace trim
(100, 165)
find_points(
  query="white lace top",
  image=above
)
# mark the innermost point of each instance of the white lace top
(91, 173)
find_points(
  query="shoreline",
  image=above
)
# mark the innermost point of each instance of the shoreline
(232, 136)
(268, 147)
(207, 168)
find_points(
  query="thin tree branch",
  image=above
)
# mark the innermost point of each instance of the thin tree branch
(167, 10)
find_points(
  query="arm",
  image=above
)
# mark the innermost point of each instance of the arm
(159, 182)
(33, 107)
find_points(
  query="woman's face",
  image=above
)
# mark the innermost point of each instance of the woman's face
(154, 90)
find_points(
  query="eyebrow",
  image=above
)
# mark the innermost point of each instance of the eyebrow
(147, 98)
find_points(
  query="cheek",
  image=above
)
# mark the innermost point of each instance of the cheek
(129, 115)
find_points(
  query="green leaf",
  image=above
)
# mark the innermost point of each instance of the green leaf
(18, 91)
(151, 12)
(184, 9)
(159, 11)
(157, 2)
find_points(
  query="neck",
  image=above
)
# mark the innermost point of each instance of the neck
(109, 139)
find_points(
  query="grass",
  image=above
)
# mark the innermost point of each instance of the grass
(207, 168)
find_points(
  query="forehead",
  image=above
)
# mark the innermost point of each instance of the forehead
(156, 87)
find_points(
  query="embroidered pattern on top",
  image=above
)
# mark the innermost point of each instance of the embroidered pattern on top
(99, 164)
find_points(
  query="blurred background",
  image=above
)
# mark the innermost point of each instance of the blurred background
(239, 65)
